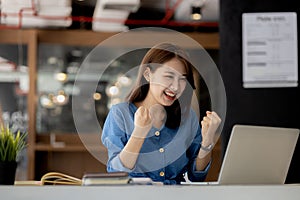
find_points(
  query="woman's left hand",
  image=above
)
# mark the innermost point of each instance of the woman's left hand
(210, 124)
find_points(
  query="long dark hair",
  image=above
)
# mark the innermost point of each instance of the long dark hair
(158, 55)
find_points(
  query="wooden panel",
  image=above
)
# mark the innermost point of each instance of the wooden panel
(12, 36)
(31, 100)
(206, 40)
(72, 37)
(131, 39)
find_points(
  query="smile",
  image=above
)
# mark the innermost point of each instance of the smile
(170, 95)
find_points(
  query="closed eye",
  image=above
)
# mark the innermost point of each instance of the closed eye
(170, 77)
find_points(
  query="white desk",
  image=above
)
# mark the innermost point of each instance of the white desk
(268, 192)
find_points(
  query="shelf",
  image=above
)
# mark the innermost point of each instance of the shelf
(133, 39)
(67, 142)
(17, 36)
(73, 37)
(66, 148)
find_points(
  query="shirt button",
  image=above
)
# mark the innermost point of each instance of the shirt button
(161, 150)
(161, 173)
(157, 133)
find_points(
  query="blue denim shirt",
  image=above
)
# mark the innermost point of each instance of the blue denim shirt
(166, 154)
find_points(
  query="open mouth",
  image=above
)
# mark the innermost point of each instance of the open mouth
(170, 95)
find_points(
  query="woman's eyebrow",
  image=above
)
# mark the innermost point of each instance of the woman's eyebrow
(173, 73)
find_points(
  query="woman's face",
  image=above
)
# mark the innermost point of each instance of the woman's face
(167, 82)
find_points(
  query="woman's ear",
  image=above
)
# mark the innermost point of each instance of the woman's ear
(147, 74)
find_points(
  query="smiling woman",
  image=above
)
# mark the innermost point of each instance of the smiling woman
(156, 81)
(171, 78)
(156, 133)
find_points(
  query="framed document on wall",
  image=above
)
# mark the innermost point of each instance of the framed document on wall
(270, 55)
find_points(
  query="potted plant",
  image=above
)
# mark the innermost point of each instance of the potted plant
(11, 144)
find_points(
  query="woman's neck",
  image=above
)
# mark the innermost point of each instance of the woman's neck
(143, 103)
(147, 102)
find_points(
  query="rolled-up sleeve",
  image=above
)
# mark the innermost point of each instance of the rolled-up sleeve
(198, 176)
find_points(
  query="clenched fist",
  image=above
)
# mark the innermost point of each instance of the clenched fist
(142, 122)
(210, 124)
(142, 117)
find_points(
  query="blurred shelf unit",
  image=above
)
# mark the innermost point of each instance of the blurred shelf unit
(63, 155)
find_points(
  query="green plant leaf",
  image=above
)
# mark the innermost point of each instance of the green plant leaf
(11, 144)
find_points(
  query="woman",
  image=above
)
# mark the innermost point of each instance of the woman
(155, 133)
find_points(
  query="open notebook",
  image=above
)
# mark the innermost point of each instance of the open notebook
(257, 155)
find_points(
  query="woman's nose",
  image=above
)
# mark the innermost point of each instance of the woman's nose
(175, 85)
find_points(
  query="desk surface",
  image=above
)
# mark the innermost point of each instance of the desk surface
(253, 192)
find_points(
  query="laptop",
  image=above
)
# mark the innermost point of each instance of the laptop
(257, 155)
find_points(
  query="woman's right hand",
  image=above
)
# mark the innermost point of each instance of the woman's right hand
(142, 117)
(142, 122)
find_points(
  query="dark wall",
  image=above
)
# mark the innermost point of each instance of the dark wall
(278, 107)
